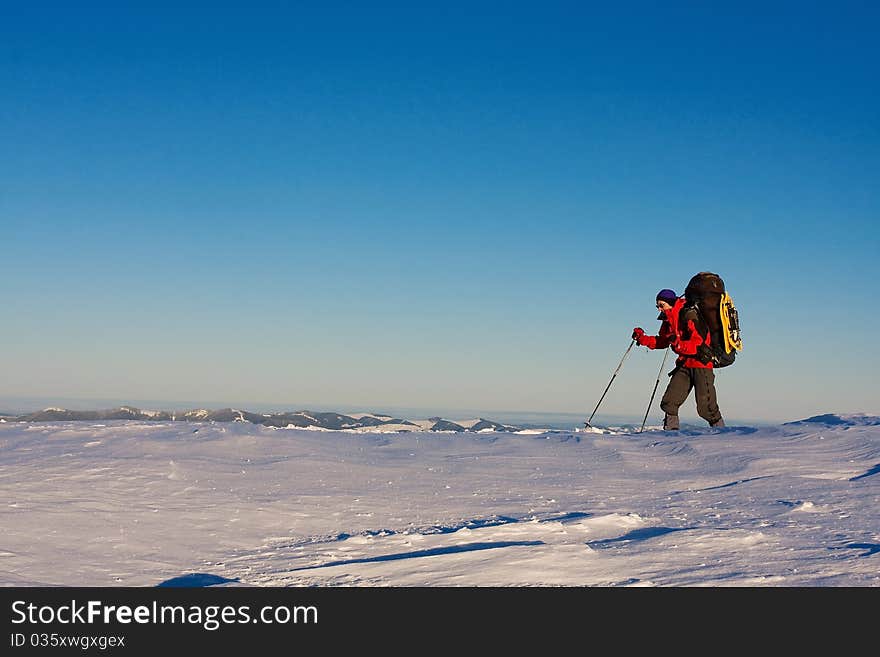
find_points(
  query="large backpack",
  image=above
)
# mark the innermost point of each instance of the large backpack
(706, 294)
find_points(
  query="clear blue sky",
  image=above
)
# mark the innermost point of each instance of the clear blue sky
(446, 206)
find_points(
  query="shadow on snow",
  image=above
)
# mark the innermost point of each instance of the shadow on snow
(195, 580)
(637, 535)
(872, 471)
(872, 548)
(470, 547)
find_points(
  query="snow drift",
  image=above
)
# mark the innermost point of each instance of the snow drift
(150, 503)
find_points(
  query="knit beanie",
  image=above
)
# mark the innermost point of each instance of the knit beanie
(668, 296)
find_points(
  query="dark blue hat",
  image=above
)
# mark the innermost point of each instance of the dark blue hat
(668, 296)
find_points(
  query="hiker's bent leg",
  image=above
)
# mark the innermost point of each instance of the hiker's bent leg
(676, 392)
(707, 400)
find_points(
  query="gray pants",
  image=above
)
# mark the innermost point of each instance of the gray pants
(684, 379)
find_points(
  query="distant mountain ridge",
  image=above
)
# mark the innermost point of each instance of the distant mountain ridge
(299, 419)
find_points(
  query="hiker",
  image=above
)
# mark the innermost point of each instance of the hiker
(684, 330)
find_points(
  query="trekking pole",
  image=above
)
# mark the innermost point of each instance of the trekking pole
(625, 354)
(648, 410)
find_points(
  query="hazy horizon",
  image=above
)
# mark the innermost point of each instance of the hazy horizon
(551, 419)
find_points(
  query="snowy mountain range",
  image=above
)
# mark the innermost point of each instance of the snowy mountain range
(300, 419)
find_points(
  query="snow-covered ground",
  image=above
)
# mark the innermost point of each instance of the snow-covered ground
(128, 503)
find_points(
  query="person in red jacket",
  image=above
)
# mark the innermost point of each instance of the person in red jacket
(684, 330)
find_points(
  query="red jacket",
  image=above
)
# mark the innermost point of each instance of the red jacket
(684, 339)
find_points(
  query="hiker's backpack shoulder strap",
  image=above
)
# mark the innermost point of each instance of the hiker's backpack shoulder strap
(692, 311)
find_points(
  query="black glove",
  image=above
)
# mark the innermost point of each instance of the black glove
(704, 354)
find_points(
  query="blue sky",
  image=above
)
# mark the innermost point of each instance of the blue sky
(453, 207)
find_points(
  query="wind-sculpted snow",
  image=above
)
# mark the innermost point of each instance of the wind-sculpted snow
(834, 419)
(150, 503)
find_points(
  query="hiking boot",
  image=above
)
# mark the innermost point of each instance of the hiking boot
(718, 424)
(670, 422)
